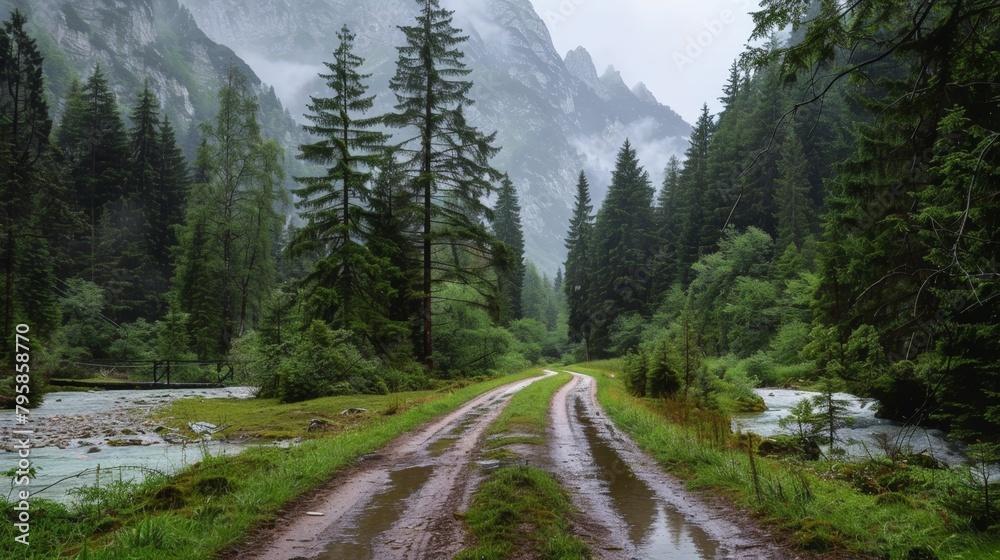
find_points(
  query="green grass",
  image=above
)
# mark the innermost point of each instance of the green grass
(216, 503)
(521, 512)
(269, 419)
(818, 511)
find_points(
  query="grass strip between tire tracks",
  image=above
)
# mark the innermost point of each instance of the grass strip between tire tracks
(521, 511)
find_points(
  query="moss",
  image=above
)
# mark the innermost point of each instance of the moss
(213, 486)
(521, 512)
(816, 535)
(167, 497)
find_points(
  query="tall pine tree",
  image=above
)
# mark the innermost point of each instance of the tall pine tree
(24, 186)
(92, 136)
(666, 230)
(343, 287)
(695, 236)
(795, 215)
(621, 252)
(577, 279)
(448, 159)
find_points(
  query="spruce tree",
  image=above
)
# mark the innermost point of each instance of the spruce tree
(507, 229)
(341, 287)
(394, 216)
(695, 227)
(167, 213)
(621, 250)
(577, 281)
(534, 294)
(24, 186)
(199, 290)
(134, 243)
(144, 139)
(666, 227)
(795, 216)
(447, 157)
(92, 136)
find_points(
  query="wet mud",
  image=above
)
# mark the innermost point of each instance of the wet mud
(400, 505)
(405, 503)
(630, 508)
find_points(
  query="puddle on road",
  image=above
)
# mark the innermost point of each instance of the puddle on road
(437, 448)
(464, 425)
(657, 530)
(378, 517)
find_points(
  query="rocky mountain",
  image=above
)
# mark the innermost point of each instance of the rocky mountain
(554, 115)
(138, 40)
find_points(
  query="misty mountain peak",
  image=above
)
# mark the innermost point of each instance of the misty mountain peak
(642, 92)
(612, 79)
(581, 66)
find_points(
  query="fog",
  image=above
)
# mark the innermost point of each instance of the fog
(682, 51)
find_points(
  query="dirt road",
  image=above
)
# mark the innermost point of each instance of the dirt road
(399, 505)
(631, 508)
(403, 503)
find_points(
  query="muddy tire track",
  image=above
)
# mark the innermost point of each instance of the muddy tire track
(630, 508)
(399, 505)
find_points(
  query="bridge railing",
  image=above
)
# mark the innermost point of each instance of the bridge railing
(164, 371)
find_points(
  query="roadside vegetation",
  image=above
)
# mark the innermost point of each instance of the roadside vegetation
(893, 507)
(269, 419)
(214, 504)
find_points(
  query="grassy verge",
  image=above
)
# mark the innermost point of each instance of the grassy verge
(521, 512)
(213, 504)
(526, 416)
(268, 419)
(820, 509)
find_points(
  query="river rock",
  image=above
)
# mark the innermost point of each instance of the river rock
(317, 424)
(173, 438)
(126, 442)
(205, 427)
(354, 411)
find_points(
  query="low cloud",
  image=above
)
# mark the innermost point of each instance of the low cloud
(293, 82)
(599, 153)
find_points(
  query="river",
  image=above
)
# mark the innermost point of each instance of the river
(860, 437)
(78, 433)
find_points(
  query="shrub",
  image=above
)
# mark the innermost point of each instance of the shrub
(761, 367)
(322, 363)
(634, 373)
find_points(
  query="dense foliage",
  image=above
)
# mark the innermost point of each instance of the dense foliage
(119, 251)
(837, 220)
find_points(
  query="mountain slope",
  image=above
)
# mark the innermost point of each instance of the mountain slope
(155, 40)
(553, 116)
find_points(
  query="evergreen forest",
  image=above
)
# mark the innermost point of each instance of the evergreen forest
(834, 224)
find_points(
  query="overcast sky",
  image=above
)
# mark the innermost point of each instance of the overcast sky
(681, 50)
